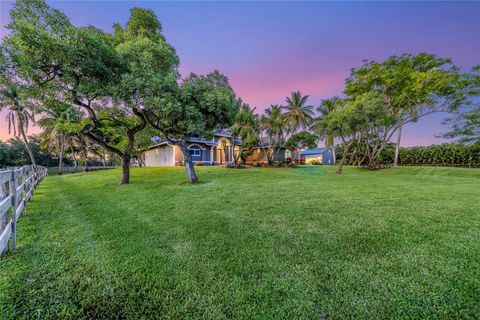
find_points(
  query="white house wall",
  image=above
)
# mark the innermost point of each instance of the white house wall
(159, 157)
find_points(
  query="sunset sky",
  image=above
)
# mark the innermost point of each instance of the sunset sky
(268, 49)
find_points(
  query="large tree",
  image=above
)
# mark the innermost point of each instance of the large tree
(92, 70)
(411, 86)
(199, 106)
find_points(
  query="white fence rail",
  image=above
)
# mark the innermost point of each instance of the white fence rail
(17, 187)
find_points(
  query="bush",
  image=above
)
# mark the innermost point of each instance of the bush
(233, 165)
(315, 162)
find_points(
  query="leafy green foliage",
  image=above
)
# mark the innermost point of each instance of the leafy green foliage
(297, 114)
(13, 153)
(465, 126)
(318, 126)
(301, 140)
(245, 131)
(447, 154)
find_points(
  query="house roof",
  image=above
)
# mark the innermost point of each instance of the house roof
(313, 151)
(157, 141)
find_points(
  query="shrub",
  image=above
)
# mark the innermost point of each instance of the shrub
(315, 162)
(233, 165)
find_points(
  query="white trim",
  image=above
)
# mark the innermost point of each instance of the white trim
(196, 144)
(195, 150)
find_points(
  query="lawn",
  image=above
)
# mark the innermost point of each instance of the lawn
(249, 244)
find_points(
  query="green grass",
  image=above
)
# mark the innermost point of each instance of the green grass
(249, 244)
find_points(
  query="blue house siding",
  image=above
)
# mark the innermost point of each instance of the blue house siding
(328, 157)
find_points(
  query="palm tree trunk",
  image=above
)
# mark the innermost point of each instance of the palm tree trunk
(25, 141)
(397, 147)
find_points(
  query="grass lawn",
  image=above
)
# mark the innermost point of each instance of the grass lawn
(249, 244)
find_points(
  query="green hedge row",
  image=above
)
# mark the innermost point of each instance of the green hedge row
(447, 154)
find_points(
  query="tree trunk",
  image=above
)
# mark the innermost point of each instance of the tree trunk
(187, 159)
(104, 161)
(25, 142)
(60, 160)
(397, 147)
(75, 164)
(125, 159)
(353, 157)
(346, 146)
(85, 156)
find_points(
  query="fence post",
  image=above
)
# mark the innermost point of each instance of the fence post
(14, 186)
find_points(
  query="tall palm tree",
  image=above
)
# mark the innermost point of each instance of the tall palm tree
(326, 106)
(298, 115)
(18, 116)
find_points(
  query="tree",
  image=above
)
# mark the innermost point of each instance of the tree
(465, 127)
(87, 68)
(13, 153)
(273, 129)
(57, 122)
(245, 130)
(297, 114)
(19, 113)
(412, 86)
(199, 106)
(300, 140)
(349, 121)
(326, 106)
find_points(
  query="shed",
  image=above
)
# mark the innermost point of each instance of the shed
(323, 155)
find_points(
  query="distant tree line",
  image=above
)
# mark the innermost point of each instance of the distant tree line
(13, 153)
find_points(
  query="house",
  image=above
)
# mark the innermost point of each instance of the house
(322, 155)
(218, 150)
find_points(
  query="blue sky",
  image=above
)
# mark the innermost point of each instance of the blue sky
(268, 49)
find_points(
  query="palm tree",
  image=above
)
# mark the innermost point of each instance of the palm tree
(298, 115)
(57, 122)
(326, 106)
(274, 125)
(245, 129)
(18, 114)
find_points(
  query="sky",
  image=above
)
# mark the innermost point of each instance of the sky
(269, 49)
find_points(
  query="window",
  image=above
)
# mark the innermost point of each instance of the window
(194, 151)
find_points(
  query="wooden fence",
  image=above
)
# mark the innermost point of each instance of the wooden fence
(16, 189)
